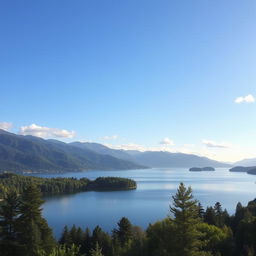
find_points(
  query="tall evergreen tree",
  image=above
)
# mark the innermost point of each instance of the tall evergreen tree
(34, 231)
(86, 243)
(65, 237)
(209, 216)
(103, 239)
(185, 211)
(200, 210)
(219, 217)
(8, 215)
(124, 231)
(9, 212)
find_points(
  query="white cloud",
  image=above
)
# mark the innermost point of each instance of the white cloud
(129, 146)
(214, 144)
(45, 132)
(112, 137)
(5, 126)
(142, 148)
(167, 141)
(246, 99)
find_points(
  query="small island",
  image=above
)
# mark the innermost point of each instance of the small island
(252, 171)
(56, 186)
(201, 169)
(242, 169)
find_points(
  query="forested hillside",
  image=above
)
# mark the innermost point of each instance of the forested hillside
(32, 154)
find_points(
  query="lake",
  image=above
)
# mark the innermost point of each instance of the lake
(149, 202)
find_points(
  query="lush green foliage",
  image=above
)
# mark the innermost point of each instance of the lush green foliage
(51, 186)
(186, 218)
(190, 230)
(24, 230)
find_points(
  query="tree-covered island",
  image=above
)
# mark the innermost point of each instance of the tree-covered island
(53, 186)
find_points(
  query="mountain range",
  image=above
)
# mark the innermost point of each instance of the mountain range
(28, 153)
(246, 162)
(162, 159)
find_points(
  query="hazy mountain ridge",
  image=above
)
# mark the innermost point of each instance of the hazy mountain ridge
(102, 149)
(246, 162)
(28, 153)
(161, 159)
(167, 159)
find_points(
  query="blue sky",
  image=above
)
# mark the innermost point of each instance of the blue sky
(132, 74)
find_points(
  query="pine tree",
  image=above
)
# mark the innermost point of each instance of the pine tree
(96, 251)
(8, 216)
(72, 233)
(209, 216)
(9, 212)
(185, 211)
(103, 240)
(200, 211)
(65, 237)
(124, 231)
(34, 232)
(86, 243)
(219, 215)
(79, 236)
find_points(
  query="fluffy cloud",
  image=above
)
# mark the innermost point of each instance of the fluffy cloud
(45, 132)
(112, 137)
(246, 99)
(213, 144)
(5, 126)
(167, 141)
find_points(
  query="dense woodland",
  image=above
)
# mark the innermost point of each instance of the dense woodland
(53, 186)
(189, 231)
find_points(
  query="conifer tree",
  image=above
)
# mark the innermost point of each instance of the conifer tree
(219, 215)
(124, 231)
(200, 210)
(96, 251)
(8, 216)
(9, 212)
(185, 211)
(86, 241)
(34, 232)
(65, 237)
(209, 216)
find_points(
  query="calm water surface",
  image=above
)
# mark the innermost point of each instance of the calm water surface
(150, 202)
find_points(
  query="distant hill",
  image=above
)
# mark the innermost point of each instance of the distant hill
(28, 153)
(153, 158)
(103, 150)
(246, 162)
(167, 159)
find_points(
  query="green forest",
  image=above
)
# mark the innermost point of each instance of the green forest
(189, 230)
(53, 186)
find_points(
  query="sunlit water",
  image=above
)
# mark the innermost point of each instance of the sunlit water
(150, 202)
